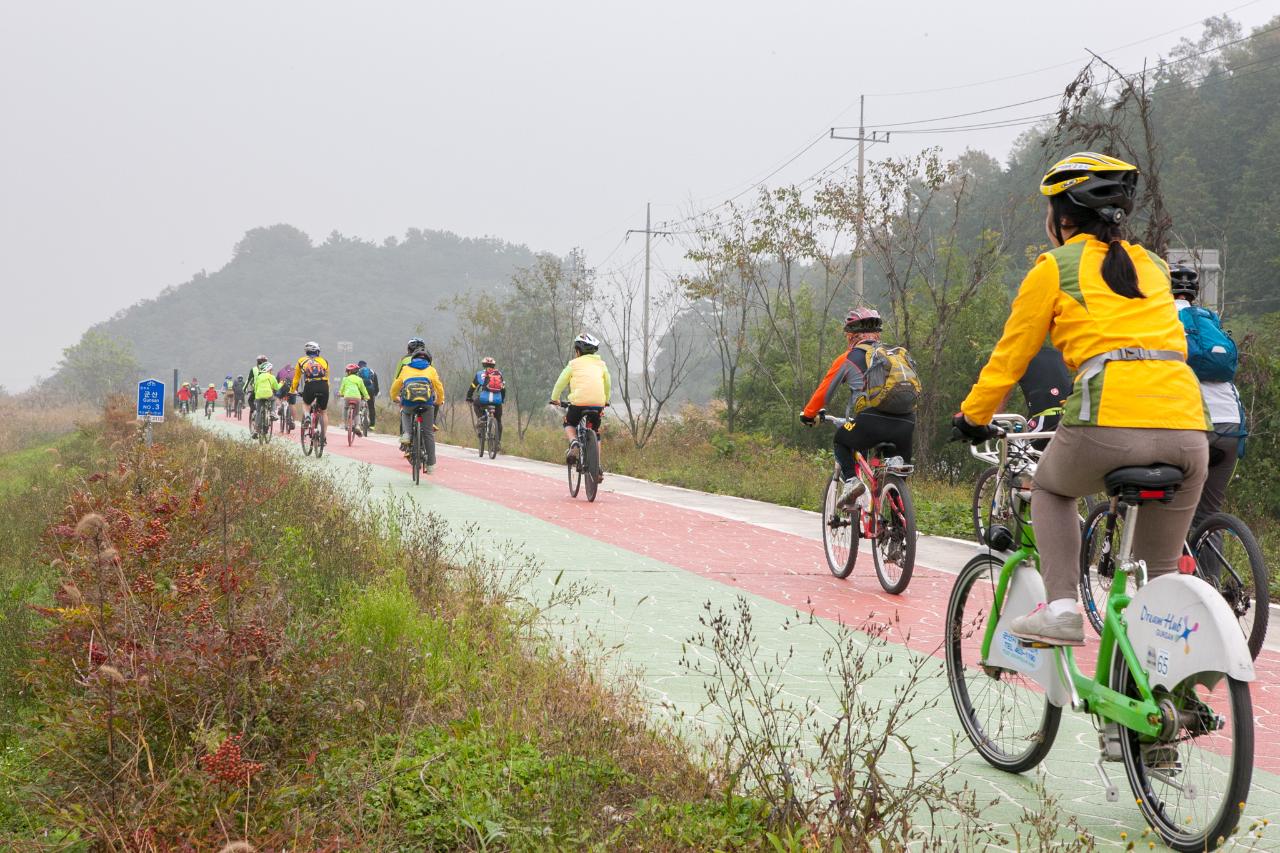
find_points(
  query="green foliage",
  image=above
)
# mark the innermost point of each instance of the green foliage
(343, 289)
(96, 367)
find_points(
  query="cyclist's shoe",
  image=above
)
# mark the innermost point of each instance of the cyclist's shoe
(431, 469)
(571, 455)
(853, 490)
(404, 439)
(435, 427)
(1040, 626)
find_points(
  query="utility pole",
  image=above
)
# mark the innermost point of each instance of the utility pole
(862, 139)
(648, 233)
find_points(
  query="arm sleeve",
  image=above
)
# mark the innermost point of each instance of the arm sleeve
(293, 381)
(828, 385)
(395, 387)
(561, 383)
(438, 385)
(1023, 336)
(608, 382)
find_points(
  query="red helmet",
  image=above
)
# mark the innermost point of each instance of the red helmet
(488, 361)
(352, 368)
(863, 320)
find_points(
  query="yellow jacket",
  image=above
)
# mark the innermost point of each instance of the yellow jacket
(414, 370)
(298, 368)
(1064, 296)
(588, 379)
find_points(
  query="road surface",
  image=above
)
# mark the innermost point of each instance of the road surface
(654, 555)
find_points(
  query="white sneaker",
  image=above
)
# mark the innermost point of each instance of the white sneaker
(853, 490)
(404, 439)
(431, 469)
(1041, 626)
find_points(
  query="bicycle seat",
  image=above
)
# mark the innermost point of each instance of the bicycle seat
(1139, 483)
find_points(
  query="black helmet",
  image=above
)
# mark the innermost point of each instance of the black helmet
(1103, 184)
(1184, 281)
(414, 345)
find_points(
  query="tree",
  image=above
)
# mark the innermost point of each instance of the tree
(643, 387)
(96, 367)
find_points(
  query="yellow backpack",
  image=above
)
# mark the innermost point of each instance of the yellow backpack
(892, 386)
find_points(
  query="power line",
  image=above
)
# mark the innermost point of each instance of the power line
(1035, 71)
(1058, 95)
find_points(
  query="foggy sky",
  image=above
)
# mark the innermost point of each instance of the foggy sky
(140, 140)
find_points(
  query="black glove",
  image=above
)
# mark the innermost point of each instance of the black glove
(962, 430)
(807, 420)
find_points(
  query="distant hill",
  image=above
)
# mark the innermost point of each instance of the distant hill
(279, 291)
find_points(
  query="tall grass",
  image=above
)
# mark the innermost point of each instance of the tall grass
(219, 648)
(29, 419)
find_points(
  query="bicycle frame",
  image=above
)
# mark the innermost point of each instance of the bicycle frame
(1091, 694)
(870, 471)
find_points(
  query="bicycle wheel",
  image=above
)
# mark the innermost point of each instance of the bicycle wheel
(1097, 562)
(262, 428)
(492, 429)
(415, 451)
(984, 496)
(305, 436)
(1230, 558)
(482, 433)
(1191, 786)
(1007, 716)
(894, 548)
(351, 427)
(575, 475)
(839, 532)
(320, 438)
(591, 462)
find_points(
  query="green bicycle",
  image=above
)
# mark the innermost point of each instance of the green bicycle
(1170, 695)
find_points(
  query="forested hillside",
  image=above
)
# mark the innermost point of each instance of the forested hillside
(279, 290)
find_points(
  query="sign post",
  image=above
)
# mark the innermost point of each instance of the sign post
(150, 405)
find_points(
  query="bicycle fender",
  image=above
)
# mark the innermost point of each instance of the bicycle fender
(1180, 627)
(1025, 593)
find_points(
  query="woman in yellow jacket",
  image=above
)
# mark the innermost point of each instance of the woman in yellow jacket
(587, 378)
(1106, 306)
(417, 388)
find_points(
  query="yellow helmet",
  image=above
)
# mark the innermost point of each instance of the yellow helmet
(1096, 181)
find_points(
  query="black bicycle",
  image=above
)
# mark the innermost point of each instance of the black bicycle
(585, 462)
(263, 421)
(417, 444)
(487, 432)
(1221, 550)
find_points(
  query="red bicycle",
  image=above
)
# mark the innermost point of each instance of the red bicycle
(884, 516)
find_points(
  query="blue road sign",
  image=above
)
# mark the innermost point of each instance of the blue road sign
(151, 399)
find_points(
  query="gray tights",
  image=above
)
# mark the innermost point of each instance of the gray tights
(1074, 465)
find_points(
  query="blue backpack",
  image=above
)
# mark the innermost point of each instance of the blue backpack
(1211, 352)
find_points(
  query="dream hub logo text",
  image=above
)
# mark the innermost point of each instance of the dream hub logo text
(1170, 627)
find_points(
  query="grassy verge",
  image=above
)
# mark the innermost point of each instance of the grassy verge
(695, 453)
(209, 647)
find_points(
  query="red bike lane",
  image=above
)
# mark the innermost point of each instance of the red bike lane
(782, 567)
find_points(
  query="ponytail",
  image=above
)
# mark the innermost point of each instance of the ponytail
(1118, 270)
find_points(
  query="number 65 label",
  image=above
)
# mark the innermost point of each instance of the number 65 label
(1162, 662)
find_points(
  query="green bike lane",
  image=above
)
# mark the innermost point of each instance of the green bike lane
(652, 562)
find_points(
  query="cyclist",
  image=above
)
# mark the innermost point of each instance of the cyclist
(184, 399)
(410, 348)
(285, 375)
(352, 391)
(265, 386)
(491, 388)
(871, 426)
(238, 390)
(211, 396)
(370, 379)
(417, 387)
(1107, 307)
(587, 378)
(1045, 385)
(312, 372)
(250, 384)
(1226, 445)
